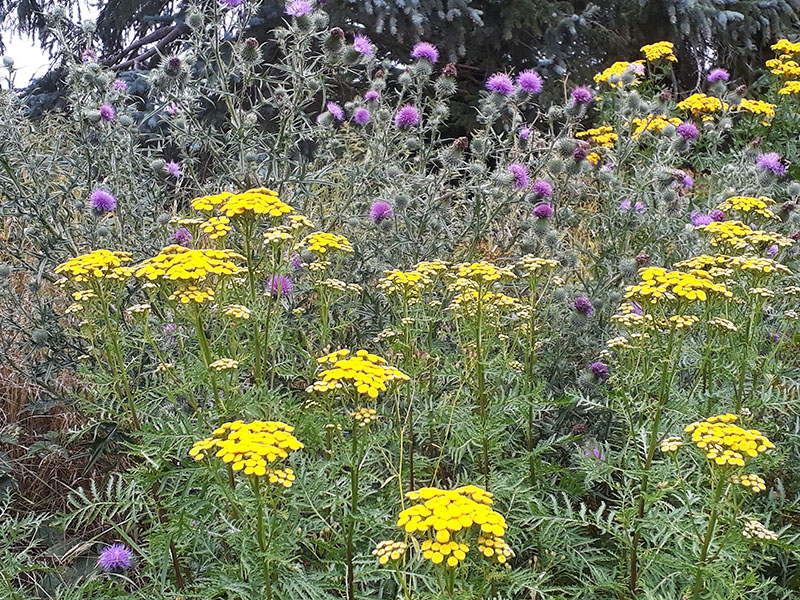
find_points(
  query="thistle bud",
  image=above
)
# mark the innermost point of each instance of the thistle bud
(461, 143)
(450, 71)
(194, 20)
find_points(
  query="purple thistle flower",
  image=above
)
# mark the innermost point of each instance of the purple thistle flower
(700, 218)
(361, 116)
(336, 111)
(426, 51)
(582, 95)
(120, 85)
(182, 236)
(583, 306)
(371, 95)
(525, 132)
(173, 169)
(102, 201)
(232, 3)
(363, 45)
(688, 131)
(717, 215)
(406, 116)
(543, 211)
(530, 81)
(298, 8)
(579, 154)
(600, 370)
(500, 83)
(520, 173)
(771, 161)
(295, 261)
(107, 113)
(625, 206)
(279, 285)
(172, 109)
(542, 189)
(718, 75)
(115, 556)
(380, 211)
(595, 452)
(687, 181)
(88, 56)
(772, 251)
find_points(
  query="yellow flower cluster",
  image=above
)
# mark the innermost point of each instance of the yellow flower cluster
(784, 68)
(408, 284)
(300, 222)
(784, 46)
(756, 530)
(659, 50)
(790, 87)
(364, 416)
(249, 446)
(83, 295)
(762, 292)
(752, 482)
(284, 477)
(530, 264)
(682, 321)
(723, 324)
(657, 283)
(208, 203)
(483, 271)
(389, 550)
(701, 104)
(748, 204)
(321, 242)
(671, 444)
(739, 236)
(216, 227)
(258, 201)
(368, 373)
(604, 136)
(237, 311)
(183, 264)
(278, 235)
(445, 514)
(748, 263)
(594, 158)
(224, 364)
(617, 69)
(758, 107)
(431, 267)
(192, 294)
(467, 302)
(100, 264)
(725, 443)
(653, 123)
(620, 342)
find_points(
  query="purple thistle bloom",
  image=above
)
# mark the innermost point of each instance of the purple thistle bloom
(543, 211)
(172, 109)
(371, 95)
(279, 285)
(298, 8)
(102, 201)
(579, 154)
(595, 452)
(361, 116)
(232, 3)
(182, 236)
(600, 370)
(363, 45)
(500, 83)
(718, 75)
(380, 211)
(115, 556)
(425, 51)
(120, 85)
(520, 173)
(772, 251)
(530, 81)
(687, 181)
(542, 189)
(688, 131)
(295, 261)
(336, 111)
(406, 116)
(771, 161)
(717, 215)
(525, 132)
(582, 95)
(584, 306)
(173, 169)
(88, 56)
(625, 206)
(700, 218)
(107, 113)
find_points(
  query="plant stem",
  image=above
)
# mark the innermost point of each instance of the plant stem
(351, 517)
(712, 522)
(262, 538)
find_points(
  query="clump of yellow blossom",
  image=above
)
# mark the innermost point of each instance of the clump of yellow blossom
(192, 294)
(364, 416)
(603, 136)
(758, 107)
(671, 444)
(224, 364)
(722, 324)
(755, 530)
(658, 51)
(739, 236)
(431, 267)
(725, 443)
(207, 203)
(483, 272)
(530, 264)
(216, 227)
(681, 321)
(747, 263)
(784, 68)
(447, 516)
(752, 482)
(321, 242)
(258, 201)
(653, 123)
(701, 104)
(248, 447)
(389, 550)
(100, 264)
(237, 311)
(790, 87)
(616, 71)
(367, 373)
(178, 263)
(784, 46)
(748, 204)
(284, 477)
(657, 283)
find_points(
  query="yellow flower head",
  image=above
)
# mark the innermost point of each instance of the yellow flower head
(216, 227)
(790, 87)
(700, 104)
(616, 71)
(603, 136)
(192, 294)
(740, 236)
(752, 482)
(657, 51)
(784, 46)
(248, 447)
(367, 373)
(237, 311)
(748, 204)
(725, 443)
(321, 242)
(224, 364)
(208, 203)
(258, 201)
(407, 284)
(282, 477)
(364, 416)
(446, 517)
(389, 550)
(758, 107)
(100, 264)
(783, 67)
(483, 272)
(653, 123)
(756, 531)
(671, 444)
(659, 284)
(178, 263)
(531, 265)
